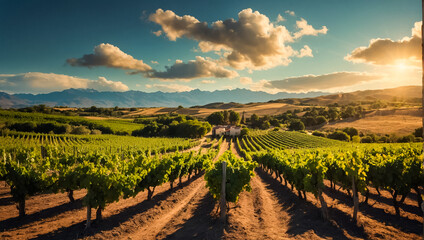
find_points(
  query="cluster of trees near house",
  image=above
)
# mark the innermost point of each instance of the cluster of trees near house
(172, 126)
(225, 117)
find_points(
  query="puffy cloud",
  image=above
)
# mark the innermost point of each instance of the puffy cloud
(208, 81)
(109, 56)
(306, 29)
(154, 62)
(306, 51)
(36, 82)
(246, 80)
(319, 82)
(406, 51)
(157, 33)
(201, 67)
(169, 87)
(280, 18)
(251, 42)
(291, 13)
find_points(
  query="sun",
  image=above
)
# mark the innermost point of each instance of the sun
(401, 66)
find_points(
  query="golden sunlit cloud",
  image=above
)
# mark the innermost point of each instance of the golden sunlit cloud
(199, 68)
(251, 42)
(400, 54)
(108, 55)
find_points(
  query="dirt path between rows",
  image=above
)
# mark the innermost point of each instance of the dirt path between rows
(258, 214)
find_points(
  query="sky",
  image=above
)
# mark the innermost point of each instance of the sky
(174, 46)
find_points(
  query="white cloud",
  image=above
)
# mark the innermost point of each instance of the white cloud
(169, 87)
(306, 29)
(154, 62)
(246, 80)
(406, 51)
(280, 19)
(157, 33)
(251, 42)
(208, 81)
(306, 51)
(201, 67)
(291, 13)
(320, 82)
(109, 56)
(36, 82)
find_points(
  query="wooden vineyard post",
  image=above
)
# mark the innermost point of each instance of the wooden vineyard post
(224, 181)
(355, 201)
(88, 224)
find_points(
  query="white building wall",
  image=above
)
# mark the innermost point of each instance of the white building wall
(235, 131)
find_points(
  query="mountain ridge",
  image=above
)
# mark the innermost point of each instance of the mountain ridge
(89, 97)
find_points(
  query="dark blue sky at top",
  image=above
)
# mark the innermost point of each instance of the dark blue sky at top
(38, 36)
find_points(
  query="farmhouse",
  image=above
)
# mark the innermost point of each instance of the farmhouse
(226, 130)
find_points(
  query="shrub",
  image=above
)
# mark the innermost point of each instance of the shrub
(96, 132)
(319, 134)
(296, 125)
(321, 120)
(356, 139)
(366, 139)
(80, 130)
(339, 135)
(351, 131)
(244, 131)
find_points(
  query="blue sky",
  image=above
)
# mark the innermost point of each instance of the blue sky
(40, 36)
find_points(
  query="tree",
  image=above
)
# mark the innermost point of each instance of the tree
(254, 120)
(243, 121)
(296, 125)
(216, 118)
(309, 121)
(321, 120)
(234, 118)
(418, 132)
(351, 131)
(339, 135)
(333, 113)
(265, 125)
(226, 116)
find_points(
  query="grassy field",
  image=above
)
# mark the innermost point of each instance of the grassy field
(401, 122)
(115, 124)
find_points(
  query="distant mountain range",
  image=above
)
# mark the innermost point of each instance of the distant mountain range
(89, 97)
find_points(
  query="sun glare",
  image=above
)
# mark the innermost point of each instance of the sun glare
(401, 66)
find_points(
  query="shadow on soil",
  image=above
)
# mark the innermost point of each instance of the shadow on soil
(201, 225)
(38, 216)
(76, 231)
(304, 216)
(402, 223)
